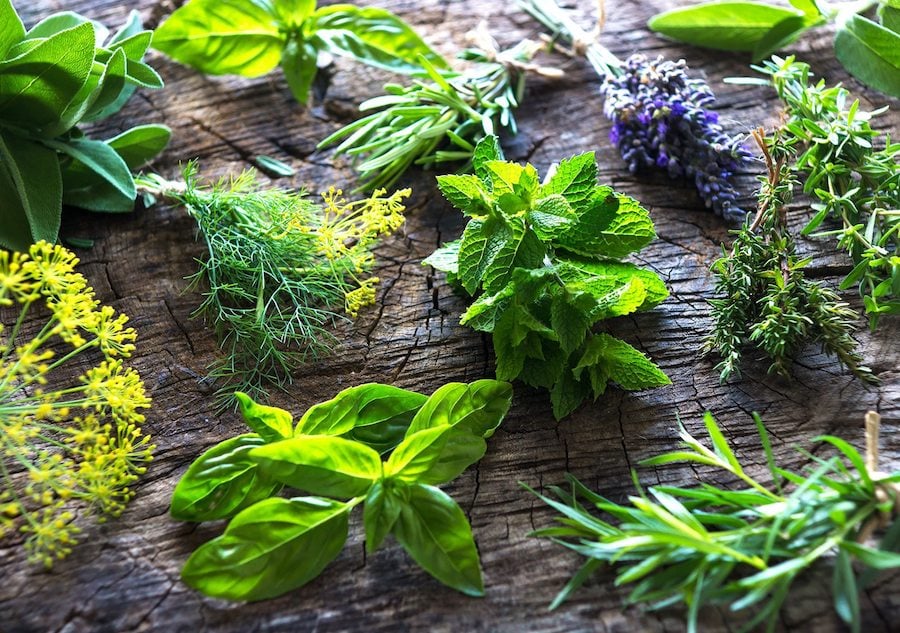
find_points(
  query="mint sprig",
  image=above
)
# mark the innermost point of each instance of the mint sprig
(543, 261)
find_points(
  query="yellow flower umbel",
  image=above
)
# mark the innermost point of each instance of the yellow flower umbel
(72, 448)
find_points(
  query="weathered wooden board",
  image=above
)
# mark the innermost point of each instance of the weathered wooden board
(125, 576)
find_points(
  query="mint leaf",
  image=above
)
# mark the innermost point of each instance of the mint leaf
(602, 277)
(466, 193)
(608, 358)
(521, 249)
(487, 149)
(567, 394)
(481, 242)
(575, 179)
(551, 217)
(446, 258)
(615, 225)
(570, 318)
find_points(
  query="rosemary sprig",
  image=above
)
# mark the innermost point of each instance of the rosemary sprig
(767, 299)
(854, 173)
(441, 120)
(278, 270)
(741, 548)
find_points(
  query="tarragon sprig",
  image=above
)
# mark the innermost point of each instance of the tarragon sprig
(741, 548)
(441, 120)
(854, 173)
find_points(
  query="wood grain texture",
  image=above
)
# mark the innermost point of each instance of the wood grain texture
(125, 575)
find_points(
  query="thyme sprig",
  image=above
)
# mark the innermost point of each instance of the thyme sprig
(440, 120)
(853, 172)
(279, 269)
(740, 548)
(767, 300)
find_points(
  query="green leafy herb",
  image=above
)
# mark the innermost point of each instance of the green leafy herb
(743, 548)
(442, 120)
(62, 73)
(767, 299)
(868, 50)
(279, 269)
(274, 545)
(252, 37)
(853, 172)
(543, 260)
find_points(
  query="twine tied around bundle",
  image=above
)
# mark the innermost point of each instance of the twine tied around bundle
(514, 59)
(884, 491)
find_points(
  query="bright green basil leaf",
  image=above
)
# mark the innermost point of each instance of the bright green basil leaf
(13, 30)
(614, 225)
(810, 9)
(220, 37)
(446, 258)
(271, 423)
(270, 548)
(140, 144)
(292, 13)
(101, 159)
(376, 415)
(298, 61)
(15, 232)
(433, 530)
(221, 482)
(435, 455)
(890, 17)
(380, 513)
(37, 86)
(779, 36)
(321, 465)
(871, 53)
(33, 171)
(479, 407)
(730, 26)
(575, 179)
(373, 36)
(608, 358)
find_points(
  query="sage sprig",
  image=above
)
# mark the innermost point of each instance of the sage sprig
(661, 116)
(61, 73)
(252, 37)
(739, 548)
(280, 269)
(274, 544)
(867, 48)
(768, 301)
(442, 120)
(543, 261)
(852, 171)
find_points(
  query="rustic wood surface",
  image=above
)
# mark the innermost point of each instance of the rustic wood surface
(125, 575)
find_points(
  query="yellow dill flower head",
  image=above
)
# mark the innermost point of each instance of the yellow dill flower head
(361, 297)
(79, 446)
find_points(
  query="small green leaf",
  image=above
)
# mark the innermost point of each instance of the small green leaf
(320, 465)
(221, 482)
(568, 393)
(34, 173)
(13, 30)
(15, 233)
(890, 17)
(479, 407)
(466, 193)
(551, 216)
(622, 363)
(569, 318)
(271, 423)
(845, 592)
(446, 258)
(220, 37)
(575, 180)
(871, 53)
(292, 13)
(614, 225)
(487, 150)
(269, 549)
(481, 241)
(101, 159)
(373, 36)
(140, 144)
(380, 513)
(299, 63)
(434, 531)
(730, 26)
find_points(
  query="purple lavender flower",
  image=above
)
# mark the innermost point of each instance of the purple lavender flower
(660, 119)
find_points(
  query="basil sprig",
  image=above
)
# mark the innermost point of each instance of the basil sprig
(274, 544)
(63, 72)
(252, 37)
(867, 48)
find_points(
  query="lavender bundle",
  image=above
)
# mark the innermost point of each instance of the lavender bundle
(661, 117)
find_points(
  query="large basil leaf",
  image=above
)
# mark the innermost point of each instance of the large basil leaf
(321, 465)
(37, 86)
(374, 414)
(270, 548)
(730, 26)
(222, 481)
(373, 36)
(871, 53)
(380, 513)
(33, 171)
(220, 37)
(271, 423)
(433, 529)
(477, 407)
